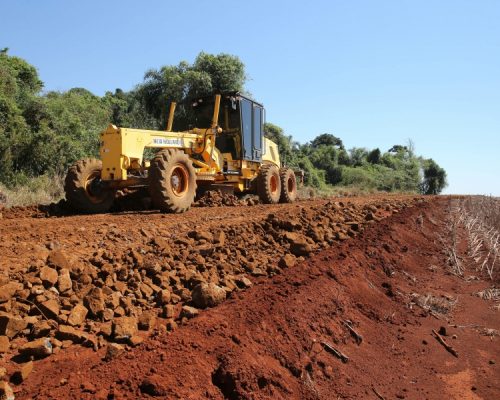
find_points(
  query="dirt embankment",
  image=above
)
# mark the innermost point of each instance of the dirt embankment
(353, 321)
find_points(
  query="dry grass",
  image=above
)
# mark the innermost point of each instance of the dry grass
(435, 304)
(41, 190)
(479, 218)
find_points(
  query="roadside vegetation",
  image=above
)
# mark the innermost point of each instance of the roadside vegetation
(42, 133)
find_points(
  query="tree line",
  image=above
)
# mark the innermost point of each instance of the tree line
(42, 133)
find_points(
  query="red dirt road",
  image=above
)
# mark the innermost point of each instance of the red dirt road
(274, 340)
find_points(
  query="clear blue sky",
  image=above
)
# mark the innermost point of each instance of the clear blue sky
(374, 73)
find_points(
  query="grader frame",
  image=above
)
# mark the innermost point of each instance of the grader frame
(236, 155)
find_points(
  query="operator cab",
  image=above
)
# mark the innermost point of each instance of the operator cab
(241, 120)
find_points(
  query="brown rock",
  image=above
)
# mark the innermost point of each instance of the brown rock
(154, 386)
(189, 312)
(4, 344)
(113, 350)
(64, 282)
(146, 290)
(66, 332)
(243, 282)
(6, 392)
(220, 238)
(287, 261)
(41, 329)
(22, 374)
(94, 301)
(208, 295)
(124, 327)
(341, 236)
(203, 235)
(147, 320)
(106, 329)
(11, 325)
(50, 308)
(3, 372)
(8, 290)
(135, 340)
(37, 348)
(300, 247)
(164, 296)
(171, 325)
(58, 259)
(77, 315)
(169, 311)
(48, 276)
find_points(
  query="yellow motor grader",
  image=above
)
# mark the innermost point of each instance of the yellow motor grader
(225, 148)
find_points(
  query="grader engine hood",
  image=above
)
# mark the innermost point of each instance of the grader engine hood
(123, 148)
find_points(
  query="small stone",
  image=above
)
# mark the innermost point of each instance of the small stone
(48, 276)
(77, 315)
(94, 301)
(147, 320)
(6, 392)
(11, 325)
(4, 344)
(369, 217)
(66, 332)
(154, 386)
(3, 372)
(300, 247)
(113, 350)
(208, 295)
(135, 340)
(169, 311)
(88, 387)
(491, 362)
(287, 261)
(146, 290)
(64, 282)
(189, 312)
(164, 296)
(220, 238)
(58, 259)
(124, 327)
(41, 329)
(37, 348)
(50, 308)
(171, 325)
(341, 236)
(106, 329)
(243, 282)
(22, 374)
(8, 290)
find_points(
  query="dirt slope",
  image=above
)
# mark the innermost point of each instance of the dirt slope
(273, 340)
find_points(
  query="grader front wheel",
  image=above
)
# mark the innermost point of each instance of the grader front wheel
(269, 184)
(82, 188)
(172, 181)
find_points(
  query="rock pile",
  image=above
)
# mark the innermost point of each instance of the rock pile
(215, 198)
(59, 300)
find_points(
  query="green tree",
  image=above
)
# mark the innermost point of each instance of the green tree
(373, 156)
(209, 73)
(328, 140)
(434, 178)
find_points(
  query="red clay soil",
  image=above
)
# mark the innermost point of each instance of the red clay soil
(278, 339)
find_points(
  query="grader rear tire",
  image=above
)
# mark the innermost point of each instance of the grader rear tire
(81, 192)
(172, 181)
(288, 186)
(269, 184)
